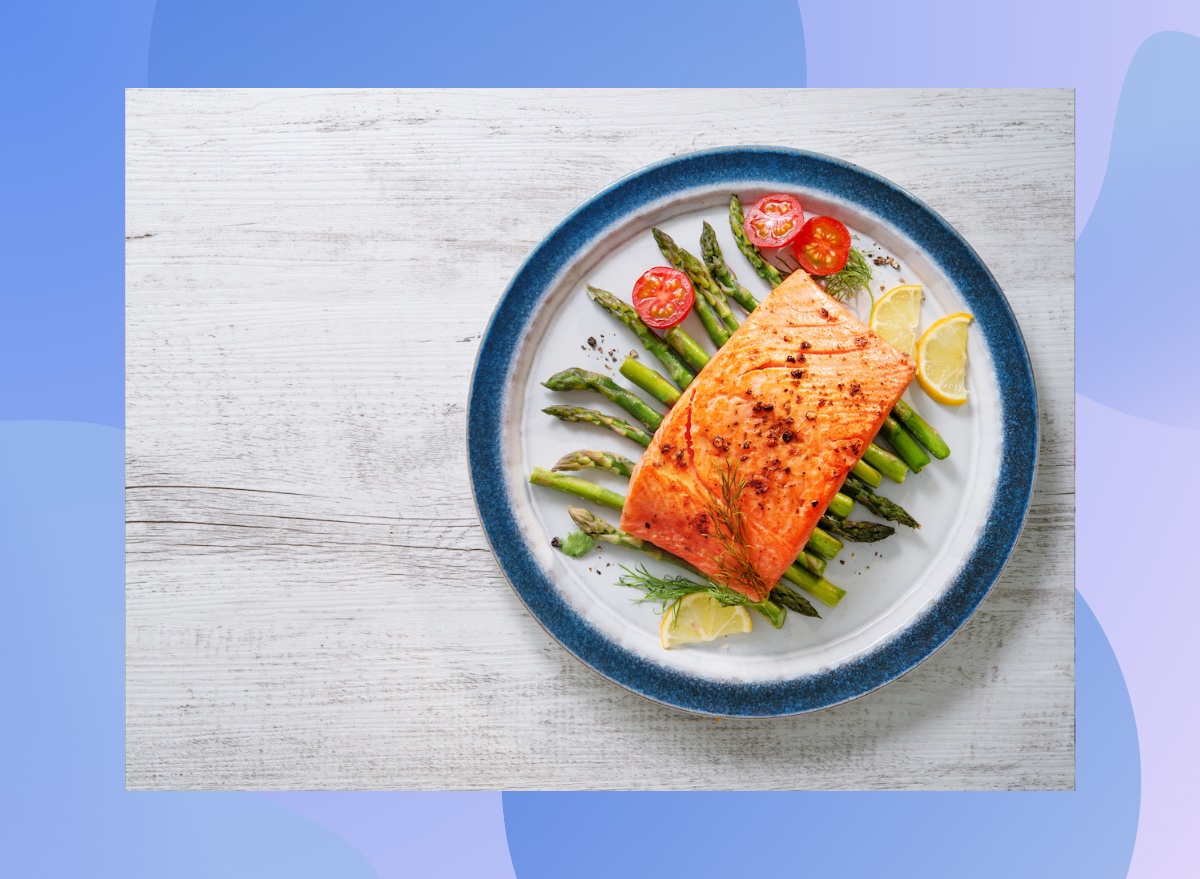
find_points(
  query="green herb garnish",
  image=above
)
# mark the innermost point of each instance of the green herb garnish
(725, 513)
(854, 276)
(577, 544)
(667, 591)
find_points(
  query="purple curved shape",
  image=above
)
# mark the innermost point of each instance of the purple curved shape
(431, 834)
(1141, 583)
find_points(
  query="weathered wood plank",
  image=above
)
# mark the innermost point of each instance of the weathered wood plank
(311, 602)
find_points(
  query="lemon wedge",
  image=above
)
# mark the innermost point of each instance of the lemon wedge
(942, 359)
(896, 314)
(700, 617)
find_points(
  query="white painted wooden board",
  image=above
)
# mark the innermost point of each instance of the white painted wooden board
(310, 599)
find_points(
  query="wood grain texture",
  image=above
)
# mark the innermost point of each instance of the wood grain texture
(311, 602)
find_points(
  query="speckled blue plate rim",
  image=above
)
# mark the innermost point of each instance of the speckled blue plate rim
(734, 167)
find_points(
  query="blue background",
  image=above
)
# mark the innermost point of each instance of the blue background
(65, 812)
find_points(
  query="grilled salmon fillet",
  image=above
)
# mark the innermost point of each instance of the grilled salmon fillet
(781, 413)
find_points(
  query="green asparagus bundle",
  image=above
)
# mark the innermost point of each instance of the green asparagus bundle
(682, 357)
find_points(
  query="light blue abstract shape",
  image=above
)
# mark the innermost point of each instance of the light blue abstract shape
(63, 807)
(1138, 328)
(477, 43)
(1088, 832)
(65, 66)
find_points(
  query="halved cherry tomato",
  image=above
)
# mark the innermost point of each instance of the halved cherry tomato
(823, 246)
(663, 297)
(774, 220)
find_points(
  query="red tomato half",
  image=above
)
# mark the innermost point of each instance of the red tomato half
(663, 297)
(774, 220)
(823, 246)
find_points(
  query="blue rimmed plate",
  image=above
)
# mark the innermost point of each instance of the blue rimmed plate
(906, 595)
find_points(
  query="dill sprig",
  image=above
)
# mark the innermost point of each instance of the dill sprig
(668, 591)
(724, 509)
(854, 276)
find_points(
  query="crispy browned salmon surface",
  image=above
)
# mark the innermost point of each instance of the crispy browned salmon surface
(782, 412)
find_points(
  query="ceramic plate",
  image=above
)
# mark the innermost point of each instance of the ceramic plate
(906, 595)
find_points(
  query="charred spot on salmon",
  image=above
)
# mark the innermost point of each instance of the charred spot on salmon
(797, 373)
(700, 523)
(855, 388)
(788, 436)
(746, 444)
(719, 442)
(824, 312)
(861, 342)
(760, 406)
(814, 503)
(666, 448)
(791, 359)
(805, 345)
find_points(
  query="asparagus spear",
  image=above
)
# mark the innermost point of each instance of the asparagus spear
(589, 491)
(737, 221)
(722, 273)
(820, 544)
(857, 532)
(591, 416)
(816, 586)
(906, 447)
(867, 474)
(918, 427)
(686, 347)
(716, 330)
(585, 458)
(877, 504)
(598, 529)
(648, 380)
(840, 506)
(582, 380)
(885, 462)
(702, 281)
(675, 367)
(812, 563)
(793, 600)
